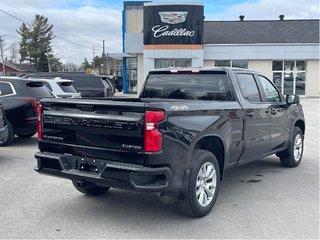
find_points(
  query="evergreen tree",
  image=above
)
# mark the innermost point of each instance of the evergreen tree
(86, 64)
(35, 44)
(97, 61)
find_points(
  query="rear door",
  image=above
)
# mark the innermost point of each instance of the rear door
(256, 119)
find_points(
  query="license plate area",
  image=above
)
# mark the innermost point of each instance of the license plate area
(90, 165)
(88, 168)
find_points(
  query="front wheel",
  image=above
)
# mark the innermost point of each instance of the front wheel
(291, 157)
(92, 190)
(203, 186)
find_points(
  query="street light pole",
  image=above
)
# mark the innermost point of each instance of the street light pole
(1, 49)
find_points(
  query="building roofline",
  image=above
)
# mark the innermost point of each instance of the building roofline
(147, 4)
(126, 3)
(271, 20)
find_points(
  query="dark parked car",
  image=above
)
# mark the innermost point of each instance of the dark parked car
(178, 138)
(20, 98)
(118, 83)
(90, 86)
(3, 125)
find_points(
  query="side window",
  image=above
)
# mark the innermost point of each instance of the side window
(248, 87)
(5, 89)
(271, 92)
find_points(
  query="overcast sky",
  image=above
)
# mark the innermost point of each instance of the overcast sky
(83, 24)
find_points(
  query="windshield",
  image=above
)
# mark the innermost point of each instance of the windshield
(192, 86)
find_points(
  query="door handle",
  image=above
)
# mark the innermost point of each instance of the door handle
(250, 114)
(273, 111)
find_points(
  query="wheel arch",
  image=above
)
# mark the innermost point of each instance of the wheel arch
(300, 124)
(213, 144)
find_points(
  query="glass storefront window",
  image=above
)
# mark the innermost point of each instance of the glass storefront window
(288, 66)
(222, 63)
(277, 80)
(300, 83)
(289, 76)
(239, 63)
(166, 63)
(300, 65)
(288, 83)
(277, 65)
(132, 75)
(231, 63)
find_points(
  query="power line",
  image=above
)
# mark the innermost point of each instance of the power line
(79, 44)
(12, 16)
(33, 16)
(72, 42)
(26, 13)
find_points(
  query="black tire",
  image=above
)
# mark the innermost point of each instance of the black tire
(27, 135)
(190, 205)
(10, 135)
(92, 190)
(288, 158)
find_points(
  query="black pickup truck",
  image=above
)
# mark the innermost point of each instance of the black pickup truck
(186, 128)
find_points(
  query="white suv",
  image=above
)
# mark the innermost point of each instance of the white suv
(61, 88)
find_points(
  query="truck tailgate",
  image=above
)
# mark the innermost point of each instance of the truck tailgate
(104, 129)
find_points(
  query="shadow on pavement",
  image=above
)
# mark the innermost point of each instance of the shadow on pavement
(129, 206)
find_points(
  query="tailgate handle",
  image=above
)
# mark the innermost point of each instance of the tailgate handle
(87, 108)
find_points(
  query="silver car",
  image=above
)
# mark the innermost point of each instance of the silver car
(61, 88)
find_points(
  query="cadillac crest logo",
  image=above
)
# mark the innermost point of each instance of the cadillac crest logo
(173, 17)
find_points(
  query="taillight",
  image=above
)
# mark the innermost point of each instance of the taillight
(152, 137)
(34, 103)
(39, 125)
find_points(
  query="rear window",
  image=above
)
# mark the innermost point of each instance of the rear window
(193, 86)
(86, 81)
(67, 87)
(38, 90)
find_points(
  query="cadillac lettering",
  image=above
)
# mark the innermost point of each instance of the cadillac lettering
(174, 24)
(162, 31)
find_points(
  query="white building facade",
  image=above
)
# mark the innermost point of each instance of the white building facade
(157, 35)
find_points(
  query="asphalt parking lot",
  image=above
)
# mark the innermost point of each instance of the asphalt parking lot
(259, 200)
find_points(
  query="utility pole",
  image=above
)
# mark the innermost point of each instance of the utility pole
(49, 66)
(1, 50)
(93, 55)
(104, 59)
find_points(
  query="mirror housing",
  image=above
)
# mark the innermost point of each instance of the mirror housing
(292, 99)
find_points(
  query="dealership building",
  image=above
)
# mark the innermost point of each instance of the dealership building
(159, 35)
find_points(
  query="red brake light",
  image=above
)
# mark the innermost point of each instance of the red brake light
(152, 137)
(39, 126)
(33, 101)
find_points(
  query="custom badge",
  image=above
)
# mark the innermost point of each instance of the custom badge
(179, 107)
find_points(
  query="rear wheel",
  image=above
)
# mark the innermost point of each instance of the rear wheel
(291, 157)
(203, 186)
(10, 135)
(90, 190)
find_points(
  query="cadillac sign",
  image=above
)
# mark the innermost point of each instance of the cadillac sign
(173, 24)
(173, 17)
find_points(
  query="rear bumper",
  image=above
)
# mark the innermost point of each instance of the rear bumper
(105, 173)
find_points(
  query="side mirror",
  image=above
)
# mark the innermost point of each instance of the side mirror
(293, 99)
